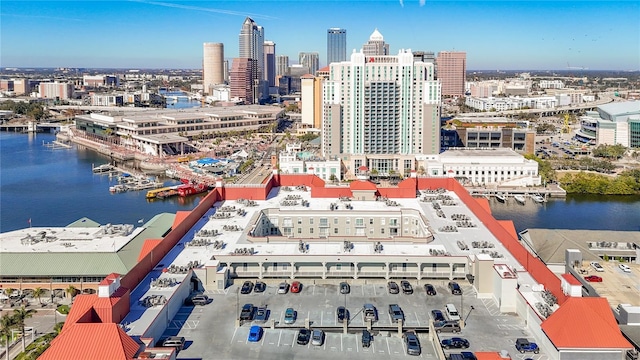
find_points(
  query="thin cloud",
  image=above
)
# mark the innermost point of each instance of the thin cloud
(422, 2)
(204, 9)
(402, 3)
(41, 17)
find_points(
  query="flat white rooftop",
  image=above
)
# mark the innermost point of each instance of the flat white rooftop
(106, 238)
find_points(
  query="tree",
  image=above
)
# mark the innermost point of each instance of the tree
(71, 291)
(9, 292)
(333, 177)
(7, 323)
(37, 293)
(20, 315)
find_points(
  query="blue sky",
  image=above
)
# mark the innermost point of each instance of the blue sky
(502, 35)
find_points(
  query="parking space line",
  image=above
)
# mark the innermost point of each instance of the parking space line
(264, 335)
(374, 291)
(314, 290)
(388, 348)
(357, 343)
(341, 348)
(279, 336)
(234, 335)
(417, 318)
(362, 287)
(321, 315)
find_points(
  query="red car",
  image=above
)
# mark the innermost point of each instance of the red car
(593, 278)
(296, 287)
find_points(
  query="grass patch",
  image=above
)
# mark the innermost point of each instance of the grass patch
(63, 309)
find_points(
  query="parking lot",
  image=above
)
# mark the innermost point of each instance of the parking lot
(211, 332)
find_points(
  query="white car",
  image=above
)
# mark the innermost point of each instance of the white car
(624, 268)
(596, 266)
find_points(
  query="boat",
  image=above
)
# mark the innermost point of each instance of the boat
(103, 168)
(501, 197)
(192, 189)
(119, 188)
(162, 192)
(520, 199)
(537, 198)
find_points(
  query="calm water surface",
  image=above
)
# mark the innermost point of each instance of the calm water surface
(57, 187)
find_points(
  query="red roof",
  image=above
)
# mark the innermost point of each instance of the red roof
(488, 356)
(363, 168)
(362, 185)
(96, 341)
(81, 305)
(508, 225)
(571, 279)
(325, 69)
(307, 76)
(584, 323)
(147, 246)
(180, 215)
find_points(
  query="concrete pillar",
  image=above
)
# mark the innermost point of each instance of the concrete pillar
(238, 322)
(261, 269)
(324, 270)
(307, 323)
(345, 326)
(293, 269)
(400, 327)
(450, 272)
(386, 266)
(273, 324)
(419, 271)
(355, 270)
(368, 324)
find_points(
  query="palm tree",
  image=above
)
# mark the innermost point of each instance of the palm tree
(37, 293)
(20, 315)
(71, 291)
(9, 292)
(7, 322)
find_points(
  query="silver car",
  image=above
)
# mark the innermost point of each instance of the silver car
(317, 338)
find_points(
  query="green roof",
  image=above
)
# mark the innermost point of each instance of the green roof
(44, 264)
(84, 223)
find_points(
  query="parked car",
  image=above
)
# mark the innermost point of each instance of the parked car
(290, 316)
(437, 315)
(342, 313)
(247, 286)
(174, 342)
(200, 299)
(393, 287)
(283, 288)
(593, 278)
(523, 345)
(406, 287)
(247, 312)
(260, 287)
(317, 337)
(366, 338)
(455, 288)
(262, 315)
(303, 336)
(396, 313)
(447, 326)
(596, 266)
(455, 342)
(465, 355)
(430, 289)
(344, 288)
(296, 287)
(624, 268)
(370, 312)
(412, 343)
(255, 333)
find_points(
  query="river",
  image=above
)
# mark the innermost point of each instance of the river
(57, 187)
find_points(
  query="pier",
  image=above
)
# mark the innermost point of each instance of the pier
(508, 192)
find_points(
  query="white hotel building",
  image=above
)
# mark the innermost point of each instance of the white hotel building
(381, 110)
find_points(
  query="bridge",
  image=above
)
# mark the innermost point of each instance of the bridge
(31, 127)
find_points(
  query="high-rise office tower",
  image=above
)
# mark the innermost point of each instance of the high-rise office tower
(252, 47)
(451, 69)
(242, 79)
(425, 56)
(311, 95)
(282, 65)
(310, 60)
(381, 106)
(269, 49)
(376, 45)
(212, 66)
(336, 45)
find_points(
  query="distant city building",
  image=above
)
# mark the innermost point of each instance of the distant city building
(551, 84)
(241, 79)
(485, 133)
(55, 90)
(291, 161)
(311, 95)
(269, 49)
(336, 45)
(212, 66)
(252, 47)
(15, 86)
(451, 68)
(612, 124)
(492, 104)
(376, 45)
(226, 70)
(282, 65)
(107, 100)
(311, 60)
(424, 56)
(381, 108)
(100, 80)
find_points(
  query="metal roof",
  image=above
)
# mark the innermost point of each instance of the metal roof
(84, 222)
(154, 229)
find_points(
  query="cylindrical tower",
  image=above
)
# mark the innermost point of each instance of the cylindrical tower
(212, 66)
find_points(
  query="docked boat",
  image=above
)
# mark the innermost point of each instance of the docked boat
(520, 199)
(103, 168)
(192, 189)
(501, 197)
(119, 188)
(162, 192)
(537, 198)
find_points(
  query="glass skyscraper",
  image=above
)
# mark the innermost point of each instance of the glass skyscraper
(336, 45)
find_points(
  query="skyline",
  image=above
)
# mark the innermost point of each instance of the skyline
(503, 35)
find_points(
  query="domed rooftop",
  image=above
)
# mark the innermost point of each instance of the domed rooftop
(376, 36)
